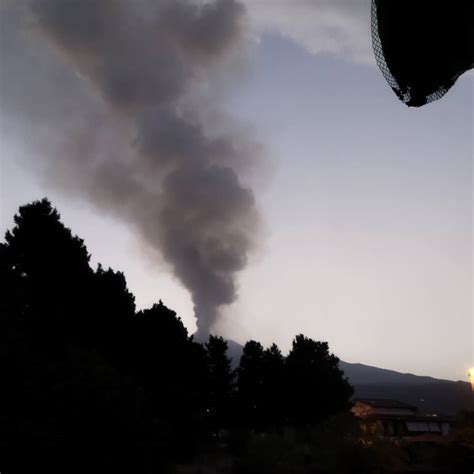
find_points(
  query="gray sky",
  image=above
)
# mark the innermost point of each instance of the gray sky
(367, 205)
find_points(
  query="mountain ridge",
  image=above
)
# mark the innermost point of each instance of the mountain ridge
(360, 372)
(429, 394)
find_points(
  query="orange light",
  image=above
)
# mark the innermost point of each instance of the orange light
(470, 374)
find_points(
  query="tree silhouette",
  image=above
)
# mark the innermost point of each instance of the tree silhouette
(61, 394)
(316, 387)
(250, 383)
(42, 246)
(87, 378)
(273, 385)
(220, 382)
(158, 351)
(53, 267)
(113, 310)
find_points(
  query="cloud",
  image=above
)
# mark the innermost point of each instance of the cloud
(339, 27)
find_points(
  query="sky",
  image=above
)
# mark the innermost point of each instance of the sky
(366, 205)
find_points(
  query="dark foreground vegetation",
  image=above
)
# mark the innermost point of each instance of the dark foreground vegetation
(89, 384)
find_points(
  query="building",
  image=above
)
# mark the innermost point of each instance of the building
(397, 419)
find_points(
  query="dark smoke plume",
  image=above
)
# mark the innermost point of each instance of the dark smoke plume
(128, 104)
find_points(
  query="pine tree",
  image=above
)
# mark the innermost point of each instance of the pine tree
(220, 382)
(250, 383)
(273, 385)
(316, 387)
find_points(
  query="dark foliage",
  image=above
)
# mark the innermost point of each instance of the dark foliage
(273, 386)
(315, 386)
(220, 383)
(90, 384)
(251, 399)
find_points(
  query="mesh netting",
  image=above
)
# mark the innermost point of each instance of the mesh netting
(380, 57)
(422, 48)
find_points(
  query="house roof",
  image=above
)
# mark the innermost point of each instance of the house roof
(415, 418)
(384, 403)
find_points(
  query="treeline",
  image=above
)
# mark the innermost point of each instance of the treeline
(89, 380)
(90, 384)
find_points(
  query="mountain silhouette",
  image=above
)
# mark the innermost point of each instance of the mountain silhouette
(361, 374)
(429, 394)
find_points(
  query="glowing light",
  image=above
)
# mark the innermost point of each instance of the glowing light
(470, 374)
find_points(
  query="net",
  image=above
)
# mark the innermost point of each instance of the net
(422, 46)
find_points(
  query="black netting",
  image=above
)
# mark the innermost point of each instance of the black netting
(379, 56)
(422, 46)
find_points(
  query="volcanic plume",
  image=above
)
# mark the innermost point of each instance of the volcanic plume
(117, 108)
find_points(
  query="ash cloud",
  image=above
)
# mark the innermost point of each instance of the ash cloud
(113, 112)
